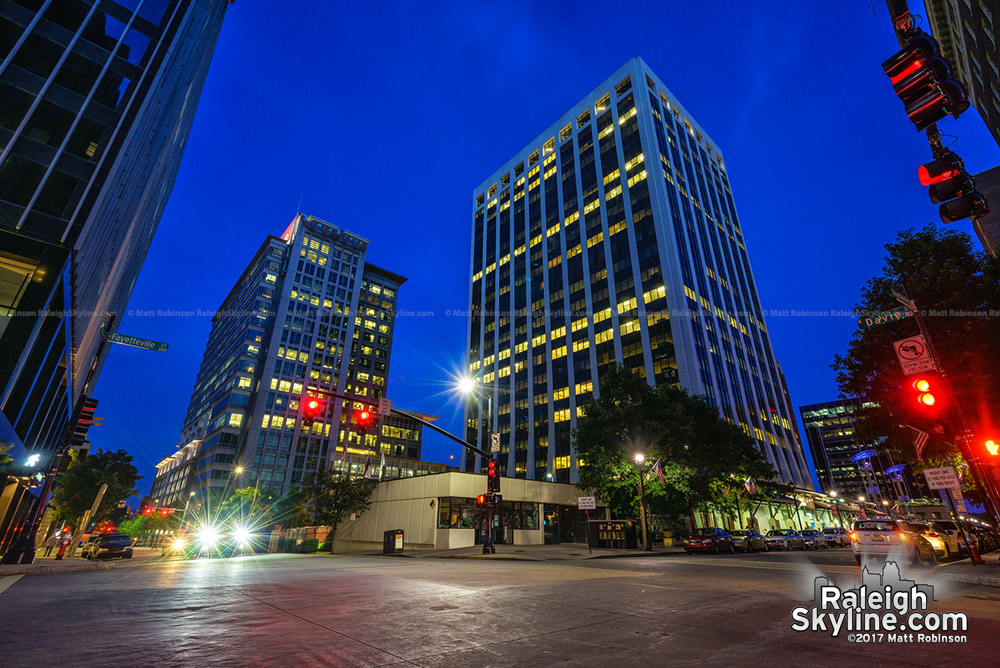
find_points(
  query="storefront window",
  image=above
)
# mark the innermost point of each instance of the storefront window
(456, 513)
(523, 515)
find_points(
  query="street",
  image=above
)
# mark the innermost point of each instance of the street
(276, 610)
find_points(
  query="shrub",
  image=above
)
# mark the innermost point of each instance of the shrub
(308, 546)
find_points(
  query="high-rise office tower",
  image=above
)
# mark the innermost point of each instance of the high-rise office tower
(308, 313)
(967, 32)
(97, 99)
(613, 237)
(847, 465)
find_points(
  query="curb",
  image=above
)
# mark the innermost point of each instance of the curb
(31, 569)
(981, 580)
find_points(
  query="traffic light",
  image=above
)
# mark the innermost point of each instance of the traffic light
(148, 510)
(482, 500)
(951, 186)
(363, 418)
(78, 433)
(493, 476)
(922, 80)
(312, 408)
(993, 448)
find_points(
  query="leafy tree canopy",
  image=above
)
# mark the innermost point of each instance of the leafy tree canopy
(702, 455)
(77, 487)
(958, 290)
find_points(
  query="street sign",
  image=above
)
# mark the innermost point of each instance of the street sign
(494, 442)
(384, 406)
(893, 315)
(913, 355)
(956, 495)
(586, 503)
(136, 342)
(941, 478)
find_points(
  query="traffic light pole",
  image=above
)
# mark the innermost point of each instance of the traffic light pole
(965, 437)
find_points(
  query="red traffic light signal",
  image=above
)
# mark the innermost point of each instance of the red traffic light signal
(925, 397)
(312, 408)
(993, 448)
(951, 186)
(149, 510)
(493, 476)
(482, 500)
(922, 80)
(364, 419)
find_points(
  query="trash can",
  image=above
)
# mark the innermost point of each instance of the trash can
(392, 542)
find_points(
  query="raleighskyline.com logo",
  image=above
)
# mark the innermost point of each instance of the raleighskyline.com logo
(884, 608)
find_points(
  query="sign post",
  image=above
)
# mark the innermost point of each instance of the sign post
(914, 356)
(586, 504)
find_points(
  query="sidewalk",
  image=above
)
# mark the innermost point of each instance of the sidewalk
(50, 565)
(563, 552)
(986, 575)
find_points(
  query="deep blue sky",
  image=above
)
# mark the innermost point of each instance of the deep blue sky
(382, 118)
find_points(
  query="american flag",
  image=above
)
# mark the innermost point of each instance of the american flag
(919, 441)
(658, 470)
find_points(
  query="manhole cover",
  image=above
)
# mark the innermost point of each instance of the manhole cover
(576, 554)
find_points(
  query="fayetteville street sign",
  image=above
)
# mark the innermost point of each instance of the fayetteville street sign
(136, 342)
(895, 315)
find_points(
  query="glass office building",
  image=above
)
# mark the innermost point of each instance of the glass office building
(97, 99)
(308, 313)
(847, 465)
(613, 237)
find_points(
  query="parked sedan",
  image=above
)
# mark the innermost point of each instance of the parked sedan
(814, 539)
(709, 539)
(784, 539)
(880, 538)
(748, 540)
(837, 536)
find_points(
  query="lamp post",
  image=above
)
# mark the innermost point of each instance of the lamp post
(840, 519)
(470, 386)
(639, 459)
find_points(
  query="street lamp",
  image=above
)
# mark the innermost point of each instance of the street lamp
(469, 386)
(840, 519)
(639, 459)
(238, 470)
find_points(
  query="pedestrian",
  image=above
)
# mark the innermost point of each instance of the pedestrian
(63, 545)
(49, 544)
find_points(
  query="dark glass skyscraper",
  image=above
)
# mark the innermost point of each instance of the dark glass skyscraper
(97, 99)
(307, 313)
(613, 237)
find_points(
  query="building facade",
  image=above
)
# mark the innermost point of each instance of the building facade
(845, 465)
(613, 237)
(966, 31)
(97, 99)
(308, 315)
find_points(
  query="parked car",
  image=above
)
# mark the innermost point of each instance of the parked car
(881, 537)
(948, 531)
(109, 546)
(709, 539)
(813, 538)
(988, 541)
(784, 539)
(939, 541)
(748, 540)
(837, 536)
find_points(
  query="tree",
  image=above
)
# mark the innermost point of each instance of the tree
(331, 496)
(77, 487)
(700, 453)
(248, 506)
(956, 287)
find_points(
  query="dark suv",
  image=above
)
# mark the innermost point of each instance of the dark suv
(109, 546)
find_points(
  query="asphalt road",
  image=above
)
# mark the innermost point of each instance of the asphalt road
(298, 610)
